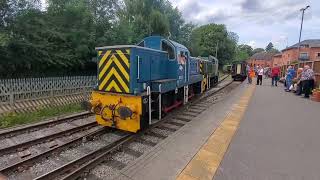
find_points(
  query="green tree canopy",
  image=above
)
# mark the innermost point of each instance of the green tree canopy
(269, 47)
(60, 38)
(257, 50)
(209, 38)
(246, 48)
(159, 23)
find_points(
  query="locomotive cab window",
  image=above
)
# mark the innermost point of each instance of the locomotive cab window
(168, 48)
(141, 44)
(182, 57)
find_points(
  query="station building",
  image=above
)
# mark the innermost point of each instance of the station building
(307, 50)
(263, 59)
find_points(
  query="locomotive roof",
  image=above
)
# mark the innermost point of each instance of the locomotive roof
(127, 46)
(160, 38)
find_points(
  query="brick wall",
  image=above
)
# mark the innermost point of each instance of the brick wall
(259, 62)
(277, 59)
(291, 55)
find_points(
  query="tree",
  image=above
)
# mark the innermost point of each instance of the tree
(257, 50)
(269, 47)
(61, 38)
(246, 48)
(205, 40)
(184, 36)
(274, 51)
(159, 23)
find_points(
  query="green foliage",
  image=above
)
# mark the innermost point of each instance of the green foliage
(42, 114)
(274, 51)
(241, 56)
(257, 50)
(269, 47)
(159, 23)
(60, 39)
(246, 48)
(243, 52)
(209, 38)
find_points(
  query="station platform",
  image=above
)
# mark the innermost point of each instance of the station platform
(256, 132)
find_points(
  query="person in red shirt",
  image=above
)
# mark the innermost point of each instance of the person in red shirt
(275, 72)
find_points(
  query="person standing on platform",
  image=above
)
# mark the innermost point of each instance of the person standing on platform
(290, 76)
(260, 74)
(252, 75)
(266, 72)
(275, 71)
(307, 78)
(248, 68)
(256, 68)
(299, 83)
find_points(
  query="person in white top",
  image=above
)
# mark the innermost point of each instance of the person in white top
(260, 74)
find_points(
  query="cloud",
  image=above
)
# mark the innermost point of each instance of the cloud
(252, 44)
(256, 21)
(251, 5)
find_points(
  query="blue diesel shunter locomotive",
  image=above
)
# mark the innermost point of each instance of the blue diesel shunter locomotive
(139, 84)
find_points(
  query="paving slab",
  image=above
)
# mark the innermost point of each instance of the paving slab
(278, 139)
(168, 158)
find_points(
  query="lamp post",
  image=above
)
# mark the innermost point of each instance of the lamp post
(302, 9)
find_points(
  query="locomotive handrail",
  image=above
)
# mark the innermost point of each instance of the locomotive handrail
(149, 95)
(138, 68)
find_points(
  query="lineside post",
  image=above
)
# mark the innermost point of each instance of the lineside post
(186, 92)
(159, 101)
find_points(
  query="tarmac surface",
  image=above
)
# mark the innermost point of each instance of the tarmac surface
(278, 139)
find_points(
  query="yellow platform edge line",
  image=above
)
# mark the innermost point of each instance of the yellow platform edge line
(205, 163)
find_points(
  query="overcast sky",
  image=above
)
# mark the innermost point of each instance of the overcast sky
(257, 22)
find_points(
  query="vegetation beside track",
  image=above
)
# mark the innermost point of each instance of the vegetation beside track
(13, 119)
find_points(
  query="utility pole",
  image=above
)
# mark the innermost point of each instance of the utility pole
(302, 9)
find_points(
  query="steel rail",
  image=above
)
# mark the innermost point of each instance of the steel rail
(27, 144)
(29, 161)
(74, 167)
(9, 132)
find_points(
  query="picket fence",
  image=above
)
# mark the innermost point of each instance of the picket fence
(29, 94)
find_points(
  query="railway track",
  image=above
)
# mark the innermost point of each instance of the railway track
(10, 132)
(22, 143)
(102, 153)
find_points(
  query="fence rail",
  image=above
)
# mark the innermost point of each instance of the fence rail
(20, 95)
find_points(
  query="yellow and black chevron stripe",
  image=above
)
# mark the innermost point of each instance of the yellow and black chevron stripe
(114, 70)
(201, 67)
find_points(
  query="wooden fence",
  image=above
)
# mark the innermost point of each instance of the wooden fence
(315, 65)
(28, 94)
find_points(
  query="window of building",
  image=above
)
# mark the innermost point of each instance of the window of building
(304, 55)
(168, 48)
(318, 55)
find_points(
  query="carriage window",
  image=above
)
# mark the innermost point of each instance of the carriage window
(141, 44)
(166, 47)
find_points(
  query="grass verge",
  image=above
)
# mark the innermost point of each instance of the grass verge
(13, 119)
